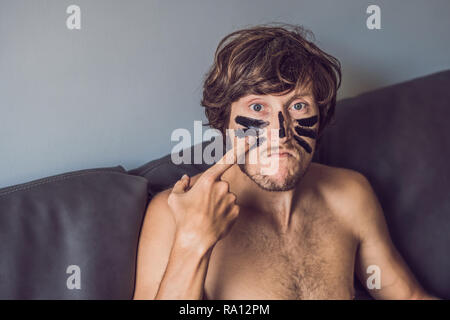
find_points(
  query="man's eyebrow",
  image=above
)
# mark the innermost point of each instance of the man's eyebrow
(252, 97)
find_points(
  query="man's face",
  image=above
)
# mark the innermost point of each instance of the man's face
(289, 123)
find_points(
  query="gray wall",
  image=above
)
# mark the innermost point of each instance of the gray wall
(112, 92)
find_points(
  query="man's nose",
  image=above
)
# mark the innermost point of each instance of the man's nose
(278, 131)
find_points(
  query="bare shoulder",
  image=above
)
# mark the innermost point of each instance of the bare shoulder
(158, 215)
(333, 180)
(159, 202)
(348, 193)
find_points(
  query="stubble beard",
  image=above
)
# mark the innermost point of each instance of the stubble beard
(266, 183)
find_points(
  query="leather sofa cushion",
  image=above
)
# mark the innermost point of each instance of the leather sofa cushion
(88, 218)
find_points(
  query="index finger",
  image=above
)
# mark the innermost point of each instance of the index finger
(230, 157)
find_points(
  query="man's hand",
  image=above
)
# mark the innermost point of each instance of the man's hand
(180, 229)
(205, 212)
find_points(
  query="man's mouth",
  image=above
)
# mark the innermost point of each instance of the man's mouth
(281, 154)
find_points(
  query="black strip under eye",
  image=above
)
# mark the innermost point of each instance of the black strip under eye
(308, 122)
(306, 132)
(251, 123)
(303, 143)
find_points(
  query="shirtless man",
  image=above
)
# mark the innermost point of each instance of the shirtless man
(302, 232)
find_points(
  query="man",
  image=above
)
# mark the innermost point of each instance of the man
(235, 232)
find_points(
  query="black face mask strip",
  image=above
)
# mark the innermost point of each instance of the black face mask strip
(303, 143)
(308, 122)
(250, 123)
(306, 132)
(282, 132)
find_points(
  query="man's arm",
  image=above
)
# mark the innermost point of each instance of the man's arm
(161, 254)
(376, 247)
(156, 239)
(181, 228)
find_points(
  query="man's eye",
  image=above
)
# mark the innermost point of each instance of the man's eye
(256, 107)
(298, 106)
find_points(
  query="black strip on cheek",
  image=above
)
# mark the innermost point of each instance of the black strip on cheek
(308, 122)
(251, 123)
(303, 143)
(306, 132)
(282, 132)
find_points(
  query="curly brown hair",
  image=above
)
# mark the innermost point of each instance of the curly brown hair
(269, 59)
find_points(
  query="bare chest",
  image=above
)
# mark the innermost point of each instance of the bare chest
(313, 261)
